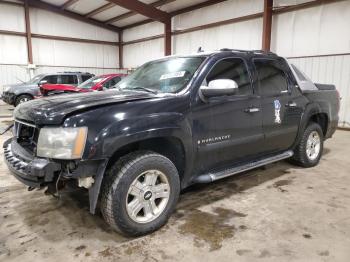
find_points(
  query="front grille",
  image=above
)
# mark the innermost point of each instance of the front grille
(26, 135)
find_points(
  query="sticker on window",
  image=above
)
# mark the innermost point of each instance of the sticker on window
(172, 75)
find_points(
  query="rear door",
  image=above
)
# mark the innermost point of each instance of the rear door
(69, 80)
(280, 110)
(85, 77)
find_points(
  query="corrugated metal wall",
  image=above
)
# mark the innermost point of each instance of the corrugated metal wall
(331, 70)
(52, 55)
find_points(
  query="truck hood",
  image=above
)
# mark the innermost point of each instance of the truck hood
(18, 88)
(53, 110)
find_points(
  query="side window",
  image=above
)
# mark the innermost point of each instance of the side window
(112, 82)
(272, 78)
(234, 69)
(299, 73)
(69, 79)
(51, 79)
(85, 77)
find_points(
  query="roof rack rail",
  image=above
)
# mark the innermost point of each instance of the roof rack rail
(249, 51)
(263, 52)
(73, 72)
(234, 50)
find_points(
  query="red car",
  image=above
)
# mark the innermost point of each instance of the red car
(97, 83)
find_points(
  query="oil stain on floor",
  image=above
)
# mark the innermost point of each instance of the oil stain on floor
(212, 228)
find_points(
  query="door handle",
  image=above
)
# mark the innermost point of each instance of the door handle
(252, 110)
(291, 104)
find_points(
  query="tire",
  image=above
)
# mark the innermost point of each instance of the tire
(116, 197)
(303, 157)
(22, 98)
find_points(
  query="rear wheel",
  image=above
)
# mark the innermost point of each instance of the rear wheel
(139, 193)
(310, 148)
(22, 98)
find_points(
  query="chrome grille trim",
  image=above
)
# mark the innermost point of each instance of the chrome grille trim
(25, 123)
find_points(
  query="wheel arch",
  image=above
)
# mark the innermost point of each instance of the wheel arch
(170, 146)
(322, 119)
(22, 94)
(312, 113)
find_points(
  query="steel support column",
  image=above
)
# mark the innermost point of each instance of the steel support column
(120, 36)
(267, 25)
(28, 32)
(167, 37)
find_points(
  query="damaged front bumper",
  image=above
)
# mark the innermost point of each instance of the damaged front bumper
(8, 98)
(38, 172)
(31, 171)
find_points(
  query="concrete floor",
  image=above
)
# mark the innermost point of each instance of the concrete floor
(280, 213)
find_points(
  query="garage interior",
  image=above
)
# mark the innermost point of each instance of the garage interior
(276, 213)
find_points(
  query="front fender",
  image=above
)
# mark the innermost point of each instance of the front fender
(126, 131)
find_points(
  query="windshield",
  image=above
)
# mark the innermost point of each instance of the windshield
(91, 82)
(164, 76)
(35, 79)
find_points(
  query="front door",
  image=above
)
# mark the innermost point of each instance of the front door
(228, 129)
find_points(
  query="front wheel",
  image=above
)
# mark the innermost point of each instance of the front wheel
(139, 193)
(22, 98)
(309, 150)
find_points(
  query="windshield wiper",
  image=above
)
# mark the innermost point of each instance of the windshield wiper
(142, 89)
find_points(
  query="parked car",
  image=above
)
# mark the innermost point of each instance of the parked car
(97, 83)
(174, 122)
(19, 93)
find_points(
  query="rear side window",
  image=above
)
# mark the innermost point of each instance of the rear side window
(51, 79)
(300, 75)
(272, 79)
(69, 79)
(234, 69)
(112, 82)
(85, 77)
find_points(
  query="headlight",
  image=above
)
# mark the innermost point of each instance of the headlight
(62, 143)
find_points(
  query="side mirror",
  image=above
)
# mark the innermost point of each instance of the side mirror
(219, 87)
(42, 82)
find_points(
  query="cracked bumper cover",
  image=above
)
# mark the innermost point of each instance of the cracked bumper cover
(28, 169)
(36, 172)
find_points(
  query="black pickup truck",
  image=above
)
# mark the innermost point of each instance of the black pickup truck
(174, 122)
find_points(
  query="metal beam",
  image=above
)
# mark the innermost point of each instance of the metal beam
(143, 9)
(68, 3)
(28, 33)
(73, 39)
(60, 38)
(296, 7)
(178, 12)
(14, 33)
(131, 13)
(167, 37)
(267, 25)
(99, 10)
(10, 3)
(58, 10)
(121, 53)
(196, 6)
